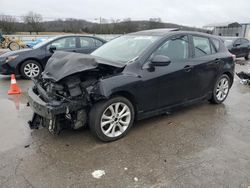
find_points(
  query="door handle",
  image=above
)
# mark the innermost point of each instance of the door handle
(188, 68)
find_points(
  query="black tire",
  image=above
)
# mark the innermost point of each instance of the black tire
(96, 113)
(247, 57)
(13, 46)
(214, 98)
(34, 63)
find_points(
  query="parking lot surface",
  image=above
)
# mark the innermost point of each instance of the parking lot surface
(200, 146)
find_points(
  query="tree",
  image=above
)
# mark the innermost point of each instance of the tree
(34, 22)
(7, 24)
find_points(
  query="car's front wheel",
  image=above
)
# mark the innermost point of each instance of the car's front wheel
(30, 69)
(221, 89)
(112, 119)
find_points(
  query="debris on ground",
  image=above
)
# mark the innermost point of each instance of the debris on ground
(125, 168)
(245, 78)
(135, 179)
(98, 174)
(27, 146)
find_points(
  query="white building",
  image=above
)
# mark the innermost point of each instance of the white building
(230, 29)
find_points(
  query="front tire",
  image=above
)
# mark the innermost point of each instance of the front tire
(30, 69)
(221, 89)
(111, 120)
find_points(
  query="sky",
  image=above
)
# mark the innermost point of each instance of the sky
(187, 12)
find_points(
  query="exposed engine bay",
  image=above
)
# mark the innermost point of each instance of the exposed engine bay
(61, 97)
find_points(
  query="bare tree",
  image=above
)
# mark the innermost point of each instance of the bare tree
(7, 23)
(34, 21)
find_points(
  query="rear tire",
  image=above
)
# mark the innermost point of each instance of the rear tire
(221, 89)
(30, 68)
(111, 120)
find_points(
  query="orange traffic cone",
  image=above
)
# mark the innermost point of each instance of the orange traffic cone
(14, 89)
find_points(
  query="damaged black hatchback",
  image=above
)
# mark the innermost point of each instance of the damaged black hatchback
(135, 76)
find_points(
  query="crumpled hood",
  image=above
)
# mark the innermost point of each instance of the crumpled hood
(63, 64)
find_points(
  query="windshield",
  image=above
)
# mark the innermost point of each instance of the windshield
(43, 42)
(125, 48)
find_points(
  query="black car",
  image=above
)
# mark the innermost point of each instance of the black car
(240, 47)
(31, 62)
(135, 76)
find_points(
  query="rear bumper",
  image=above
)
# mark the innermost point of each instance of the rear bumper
(50, 110)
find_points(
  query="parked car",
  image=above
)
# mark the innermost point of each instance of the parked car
(31, 62)
(240, 47)
(135, 76)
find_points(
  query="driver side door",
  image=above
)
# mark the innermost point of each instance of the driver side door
(172, 84)
(62, 44)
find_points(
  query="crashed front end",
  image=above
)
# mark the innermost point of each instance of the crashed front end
(63, 95)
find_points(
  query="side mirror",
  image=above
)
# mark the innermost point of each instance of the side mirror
(160, 60)
(52, 49)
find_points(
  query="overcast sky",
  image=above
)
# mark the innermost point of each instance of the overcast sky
(187, 12)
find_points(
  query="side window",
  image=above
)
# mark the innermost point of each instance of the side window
(65, 43)
(176, 48)
(98, 43)
(216, 43)
(86, 42)
(202, 46)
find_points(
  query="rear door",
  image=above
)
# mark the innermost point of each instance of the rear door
(86, 45)
(237, 50)
(206, 62)
(244, 47)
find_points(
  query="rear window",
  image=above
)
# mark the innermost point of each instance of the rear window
(202, 46)
(216, 43)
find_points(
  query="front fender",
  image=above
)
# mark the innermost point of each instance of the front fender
(106, 87)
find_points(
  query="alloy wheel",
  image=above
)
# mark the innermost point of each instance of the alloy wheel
(222, 89)
(115, 119)
(31, 70)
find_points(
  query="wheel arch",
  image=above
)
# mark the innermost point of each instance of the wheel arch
(128, 96)
(229, 74)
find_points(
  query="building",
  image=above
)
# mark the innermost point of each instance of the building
(230, 29)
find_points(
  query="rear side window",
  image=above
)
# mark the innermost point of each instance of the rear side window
(176, 48)
(202, 46)
(98, 43)
(216, 43)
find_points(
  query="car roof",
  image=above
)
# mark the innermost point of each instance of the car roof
(169, 31)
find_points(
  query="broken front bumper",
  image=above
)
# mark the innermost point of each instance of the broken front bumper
(50, 110)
